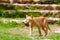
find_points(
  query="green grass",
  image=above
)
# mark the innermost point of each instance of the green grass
(53, 36)
(6, 35)
(58, 22)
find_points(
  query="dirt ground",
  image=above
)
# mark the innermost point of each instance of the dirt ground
(55, 28)
(25, 30)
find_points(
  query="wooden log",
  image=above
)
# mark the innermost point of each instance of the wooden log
(53, 5)
(57, 8)
(48, 8)
(4, 1)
